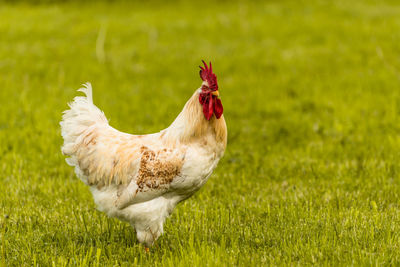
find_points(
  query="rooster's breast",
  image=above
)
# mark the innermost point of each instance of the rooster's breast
(198, 165)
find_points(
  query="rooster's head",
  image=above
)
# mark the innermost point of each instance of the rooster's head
(209, 93)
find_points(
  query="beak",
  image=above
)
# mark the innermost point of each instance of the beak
(216, 93)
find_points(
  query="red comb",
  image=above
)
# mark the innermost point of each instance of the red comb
(207, 75)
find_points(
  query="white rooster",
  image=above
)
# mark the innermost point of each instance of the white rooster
(141, 178)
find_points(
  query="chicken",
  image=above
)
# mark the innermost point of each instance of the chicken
(141, 178)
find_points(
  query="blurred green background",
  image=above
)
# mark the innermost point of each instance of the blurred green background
(311, 98)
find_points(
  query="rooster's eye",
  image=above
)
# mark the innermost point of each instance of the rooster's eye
(205, 88)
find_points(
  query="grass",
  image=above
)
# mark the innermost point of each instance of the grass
(312, 102)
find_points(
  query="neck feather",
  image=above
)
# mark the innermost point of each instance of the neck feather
(191, 124)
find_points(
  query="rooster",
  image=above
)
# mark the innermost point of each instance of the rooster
(141, 178)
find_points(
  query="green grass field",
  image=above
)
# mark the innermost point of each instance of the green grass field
(311, 92)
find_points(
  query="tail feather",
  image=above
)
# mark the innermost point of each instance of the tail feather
(87, 90)
(82, 117)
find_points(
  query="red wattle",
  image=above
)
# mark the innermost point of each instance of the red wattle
(211, 105)
(206, 110)
(218, 108)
